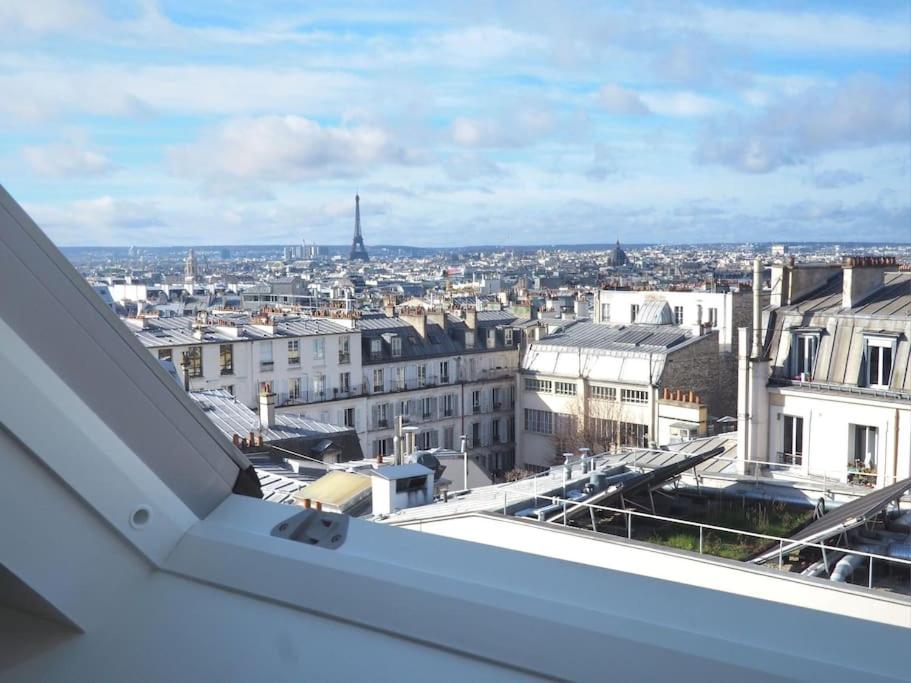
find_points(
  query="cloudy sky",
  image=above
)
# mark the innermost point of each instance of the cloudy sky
(461, 123)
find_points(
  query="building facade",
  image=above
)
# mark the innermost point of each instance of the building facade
(826, 390)
(600, 386)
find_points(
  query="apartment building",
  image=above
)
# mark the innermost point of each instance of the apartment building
(447, 376)
(827, 388)
(444, 374)
(301, 360)
(721, 311)
(598, 386)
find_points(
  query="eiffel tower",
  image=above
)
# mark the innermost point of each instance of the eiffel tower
(358, 250)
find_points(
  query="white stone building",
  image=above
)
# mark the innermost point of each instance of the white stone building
(599, 386)
(827, 390)
(448, 376)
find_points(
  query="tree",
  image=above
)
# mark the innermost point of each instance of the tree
(591, 423)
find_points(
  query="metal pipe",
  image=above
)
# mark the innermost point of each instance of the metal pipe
(757, 307)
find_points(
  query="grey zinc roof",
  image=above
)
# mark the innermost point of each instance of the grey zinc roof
(178, 331)
(619, 338)
(233, 417)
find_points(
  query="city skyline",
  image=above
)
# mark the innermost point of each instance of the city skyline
(156, 125)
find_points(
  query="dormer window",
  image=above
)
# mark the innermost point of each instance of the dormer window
(507, 336)
(396, 346)
(376, 348)
(878, 355)
(469, 339)
(803, 355)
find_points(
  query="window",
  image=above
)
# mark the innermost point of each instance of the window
(447, 405)
(510, 428)
(396, 346)
(862, 460)
(605, 313)
(294, 352)
(348, 417)
(380, 416)
(192, 358)
(226, 359)
(512, 396)
(166, 354)
(539, 421)
(319, 349)
(378, 379)
(376, 349)
(265, 356)
(678, 315)
(803, 355)
(382, 447)
(633, 396)
(565, 388)
(633, 312)
(476, 401)
(344, 350)
(448, 438)
(535, 384)
(602, 393)
(422, 375)
(400, 378)
(495, 431)
(878, 362)
(294, 389)
(319, 385)
(792, 440)
(426, 407)
(444, 371)
(427, 440)
(633, 434)
(475, 434)
(713, 317)
(495, 398)
(507, 336)
(344, 382)
(491, 339)
(469, 339)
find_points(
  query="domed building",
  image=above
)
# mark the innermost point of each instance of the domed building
(617, 257)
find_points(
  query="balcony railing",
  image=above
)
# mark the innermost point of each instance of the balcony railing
(329, 394)
(266, 365)
(344, 358)
(793, 459)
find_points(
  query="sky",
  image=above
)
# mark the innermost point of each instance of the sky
(175, 123)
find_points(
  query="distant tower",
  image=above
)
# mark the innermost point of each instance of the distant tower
(191, 268)
(358, 250)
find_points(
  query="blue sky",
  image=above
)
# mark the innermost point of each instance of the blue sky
(458, 123)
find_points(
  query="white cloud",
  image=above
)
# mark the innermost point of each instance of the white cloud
(680, 104)
(287, 149)
(45, 16)
(67, 159)
(619, 100)
(860, 112)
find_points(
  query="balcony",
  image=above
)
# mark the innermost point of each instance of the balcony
(227, 371)
(475, 409)
(344, 358)
(266, 365)
(792, 459)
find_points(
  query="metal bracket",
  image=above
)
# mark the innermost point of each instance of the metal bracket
(314, 527)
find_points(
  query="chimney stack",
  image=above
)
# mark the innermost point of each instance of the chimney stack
(757, 307)
(863, 275)
(267, 410)
(471, 318)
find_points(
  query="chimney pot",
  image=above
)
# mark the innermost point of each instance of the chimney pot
(307, 503)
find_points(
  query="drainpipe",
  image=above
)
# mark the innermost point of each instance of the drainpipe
(464, 449)
(895, 448)
(757, 309)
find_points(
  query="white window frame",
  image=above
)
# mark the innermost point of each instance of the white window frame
(874, 347)
(808, 356)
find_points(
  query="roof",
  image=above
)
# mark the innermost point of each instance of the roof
(891, 300)
(617, 338)
(233, 417)
(392, 472)
(178, 331)
(338, 489)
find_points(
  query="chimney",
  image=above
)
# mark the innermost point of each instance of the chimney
(471, 317)
(438, 317)
(267, 410)
(863, 275)
(416, 317)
